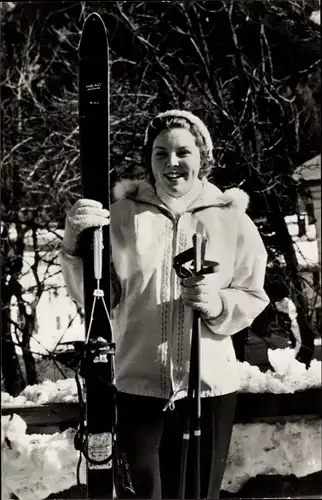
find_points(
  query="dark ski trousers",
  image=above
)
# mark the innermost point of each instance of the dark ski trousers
(152, 442)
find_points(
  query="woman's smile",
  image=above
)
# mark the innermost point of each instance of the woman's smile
(174, 175)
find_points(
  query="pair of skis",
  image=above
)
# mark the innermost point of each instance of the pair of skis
(96, 435)
(106, 470)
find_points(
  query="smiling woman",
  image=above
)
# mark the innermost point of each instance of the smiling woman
(154, 221)
(184, 121)
(175, 161)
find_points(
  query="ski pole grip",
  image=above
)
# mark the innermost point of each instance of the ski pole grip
(98, 248)
(197, 245)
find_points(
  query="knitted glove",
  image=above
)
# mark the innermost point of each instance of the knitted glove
(84, 214)
(202, 294)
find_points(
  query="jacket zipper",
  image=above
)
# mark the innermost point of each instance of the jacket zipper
(173, 278)
(175, 219)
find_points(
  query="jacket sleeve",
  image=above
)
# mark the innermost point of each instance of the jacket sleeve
(72, 269)
(245, 297)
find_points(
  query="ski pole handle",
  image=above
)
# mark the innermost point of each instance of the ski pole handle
(198, 246)
(98, 249)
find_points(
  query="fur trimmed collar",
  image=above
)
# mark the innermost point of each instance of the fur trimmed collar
(211, 195)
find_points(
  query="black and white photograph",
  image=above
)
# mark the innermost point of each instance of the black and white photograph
(161, 250)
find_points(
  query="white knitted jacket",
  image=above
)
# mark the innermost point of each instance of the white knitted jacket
(151, 323)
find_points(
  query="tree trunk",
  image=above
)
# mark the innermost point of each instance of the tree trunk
(28, 358)
(297, 293)
(277, 220)
(11, 369)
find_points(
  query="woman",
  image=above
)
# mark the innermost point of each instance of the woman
(151, 223)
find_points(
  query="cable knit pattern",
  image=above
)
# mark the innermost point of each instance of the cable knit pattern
(183, 245)
(165, 307)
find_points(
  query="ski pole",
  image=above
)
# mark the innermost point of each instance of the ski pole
(195, 346)
(196, 254)
(193, 410)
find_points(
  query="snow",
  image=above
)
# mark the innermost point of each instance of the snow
(57, 318)
(307, 253)
(289, 376)
(62, 391)
(35, 466)
(38, 465)
(260, 448)
(316, 17)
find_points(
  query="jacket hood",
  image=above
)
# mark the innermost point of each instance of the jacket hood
(210, 196)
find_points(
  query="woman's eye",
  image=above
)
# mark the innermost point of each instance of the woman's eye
(160, 155)
(182, 154)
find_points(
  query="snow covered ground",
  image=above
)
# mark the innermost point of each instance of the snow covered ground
(260, 448)
(35, 466)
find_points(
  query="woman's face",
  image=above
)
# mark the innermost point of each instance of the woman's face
(175, 161)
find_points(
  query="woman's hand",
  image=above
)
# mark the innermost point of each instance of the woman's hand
(84, 214)
(201, 293)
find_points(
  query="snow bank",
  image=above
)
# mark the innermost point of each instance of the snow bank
(289, 376)
(62, 391)
(35, 466)
(259, 448)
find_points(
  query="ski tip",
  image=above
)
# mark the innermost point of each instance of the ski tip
(94, 35)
